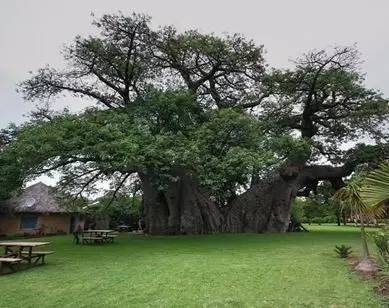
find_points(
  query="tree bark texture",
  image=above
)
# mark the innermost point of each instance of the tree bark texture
(184, 207)
(265, 207)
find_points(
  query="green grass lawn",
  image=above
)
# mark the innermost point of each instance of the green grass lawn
(244, 270)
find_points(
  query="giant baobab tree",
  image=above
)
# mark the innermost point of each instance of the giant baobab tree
(219, 142)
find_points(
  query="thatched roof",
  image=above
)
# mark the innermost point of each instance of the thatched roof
(37, 198)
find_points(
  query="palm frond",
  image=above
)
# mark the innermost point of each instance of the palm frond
(375, 190)
(350, 198)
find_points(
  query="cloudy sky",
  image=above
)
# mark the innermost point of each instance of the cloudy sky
(32, 33)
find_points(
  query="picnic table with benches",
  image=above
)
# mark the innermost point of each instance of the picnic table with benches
(98, 236)
(16, 252)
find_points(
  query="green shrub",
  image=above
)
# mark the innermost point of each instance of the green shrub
(329, 219)
(317, 220)
(298, 211)
(343, 251)
(381, 239)
(305, 220)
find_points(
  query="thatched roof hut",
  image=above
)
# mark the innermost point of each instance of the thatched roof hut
(37, 198)
(37, 210)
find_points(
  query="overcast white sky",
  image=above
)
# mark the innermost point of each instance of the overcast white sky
(33, 32)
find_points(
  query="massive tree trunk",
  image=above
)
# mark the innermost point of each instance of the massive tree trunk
(183, 207)
(265, 207)
(155, 210)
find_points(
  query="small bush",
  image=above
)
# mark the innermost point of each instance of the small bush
(343, 251)
(329, 219)
(381, 239)
(317, 220)
(298, 211)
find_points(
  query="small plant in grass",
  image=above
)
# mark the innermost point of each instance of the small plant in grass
(381, 239)
(343, 251)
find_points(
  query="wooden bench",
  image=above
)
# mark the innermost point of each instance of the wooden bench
(12, 263)
(39, 255)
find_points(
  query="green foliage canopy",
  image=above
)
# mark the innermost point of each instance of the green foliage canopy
(162, 133)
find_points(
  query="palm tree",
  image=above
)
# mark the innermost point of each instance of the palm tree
(350, 198)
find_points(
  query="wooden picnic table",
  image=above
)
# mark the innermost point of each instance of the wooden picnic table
(97, 236)
(21, 253)
(98, 231)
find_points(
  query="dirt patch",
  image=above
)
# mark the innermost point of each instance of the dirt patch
(353, 262)
(383, 288)
(383, 283)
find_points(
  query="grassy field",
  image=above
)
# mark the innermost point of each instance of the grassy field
(244, 270)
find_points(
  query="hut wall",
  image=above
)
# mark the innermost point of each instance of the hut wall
(55, 223)
(50, 224)
(9, 225)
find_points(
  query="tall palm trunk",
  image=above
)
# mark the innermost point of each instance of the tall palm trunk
(365, 247)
